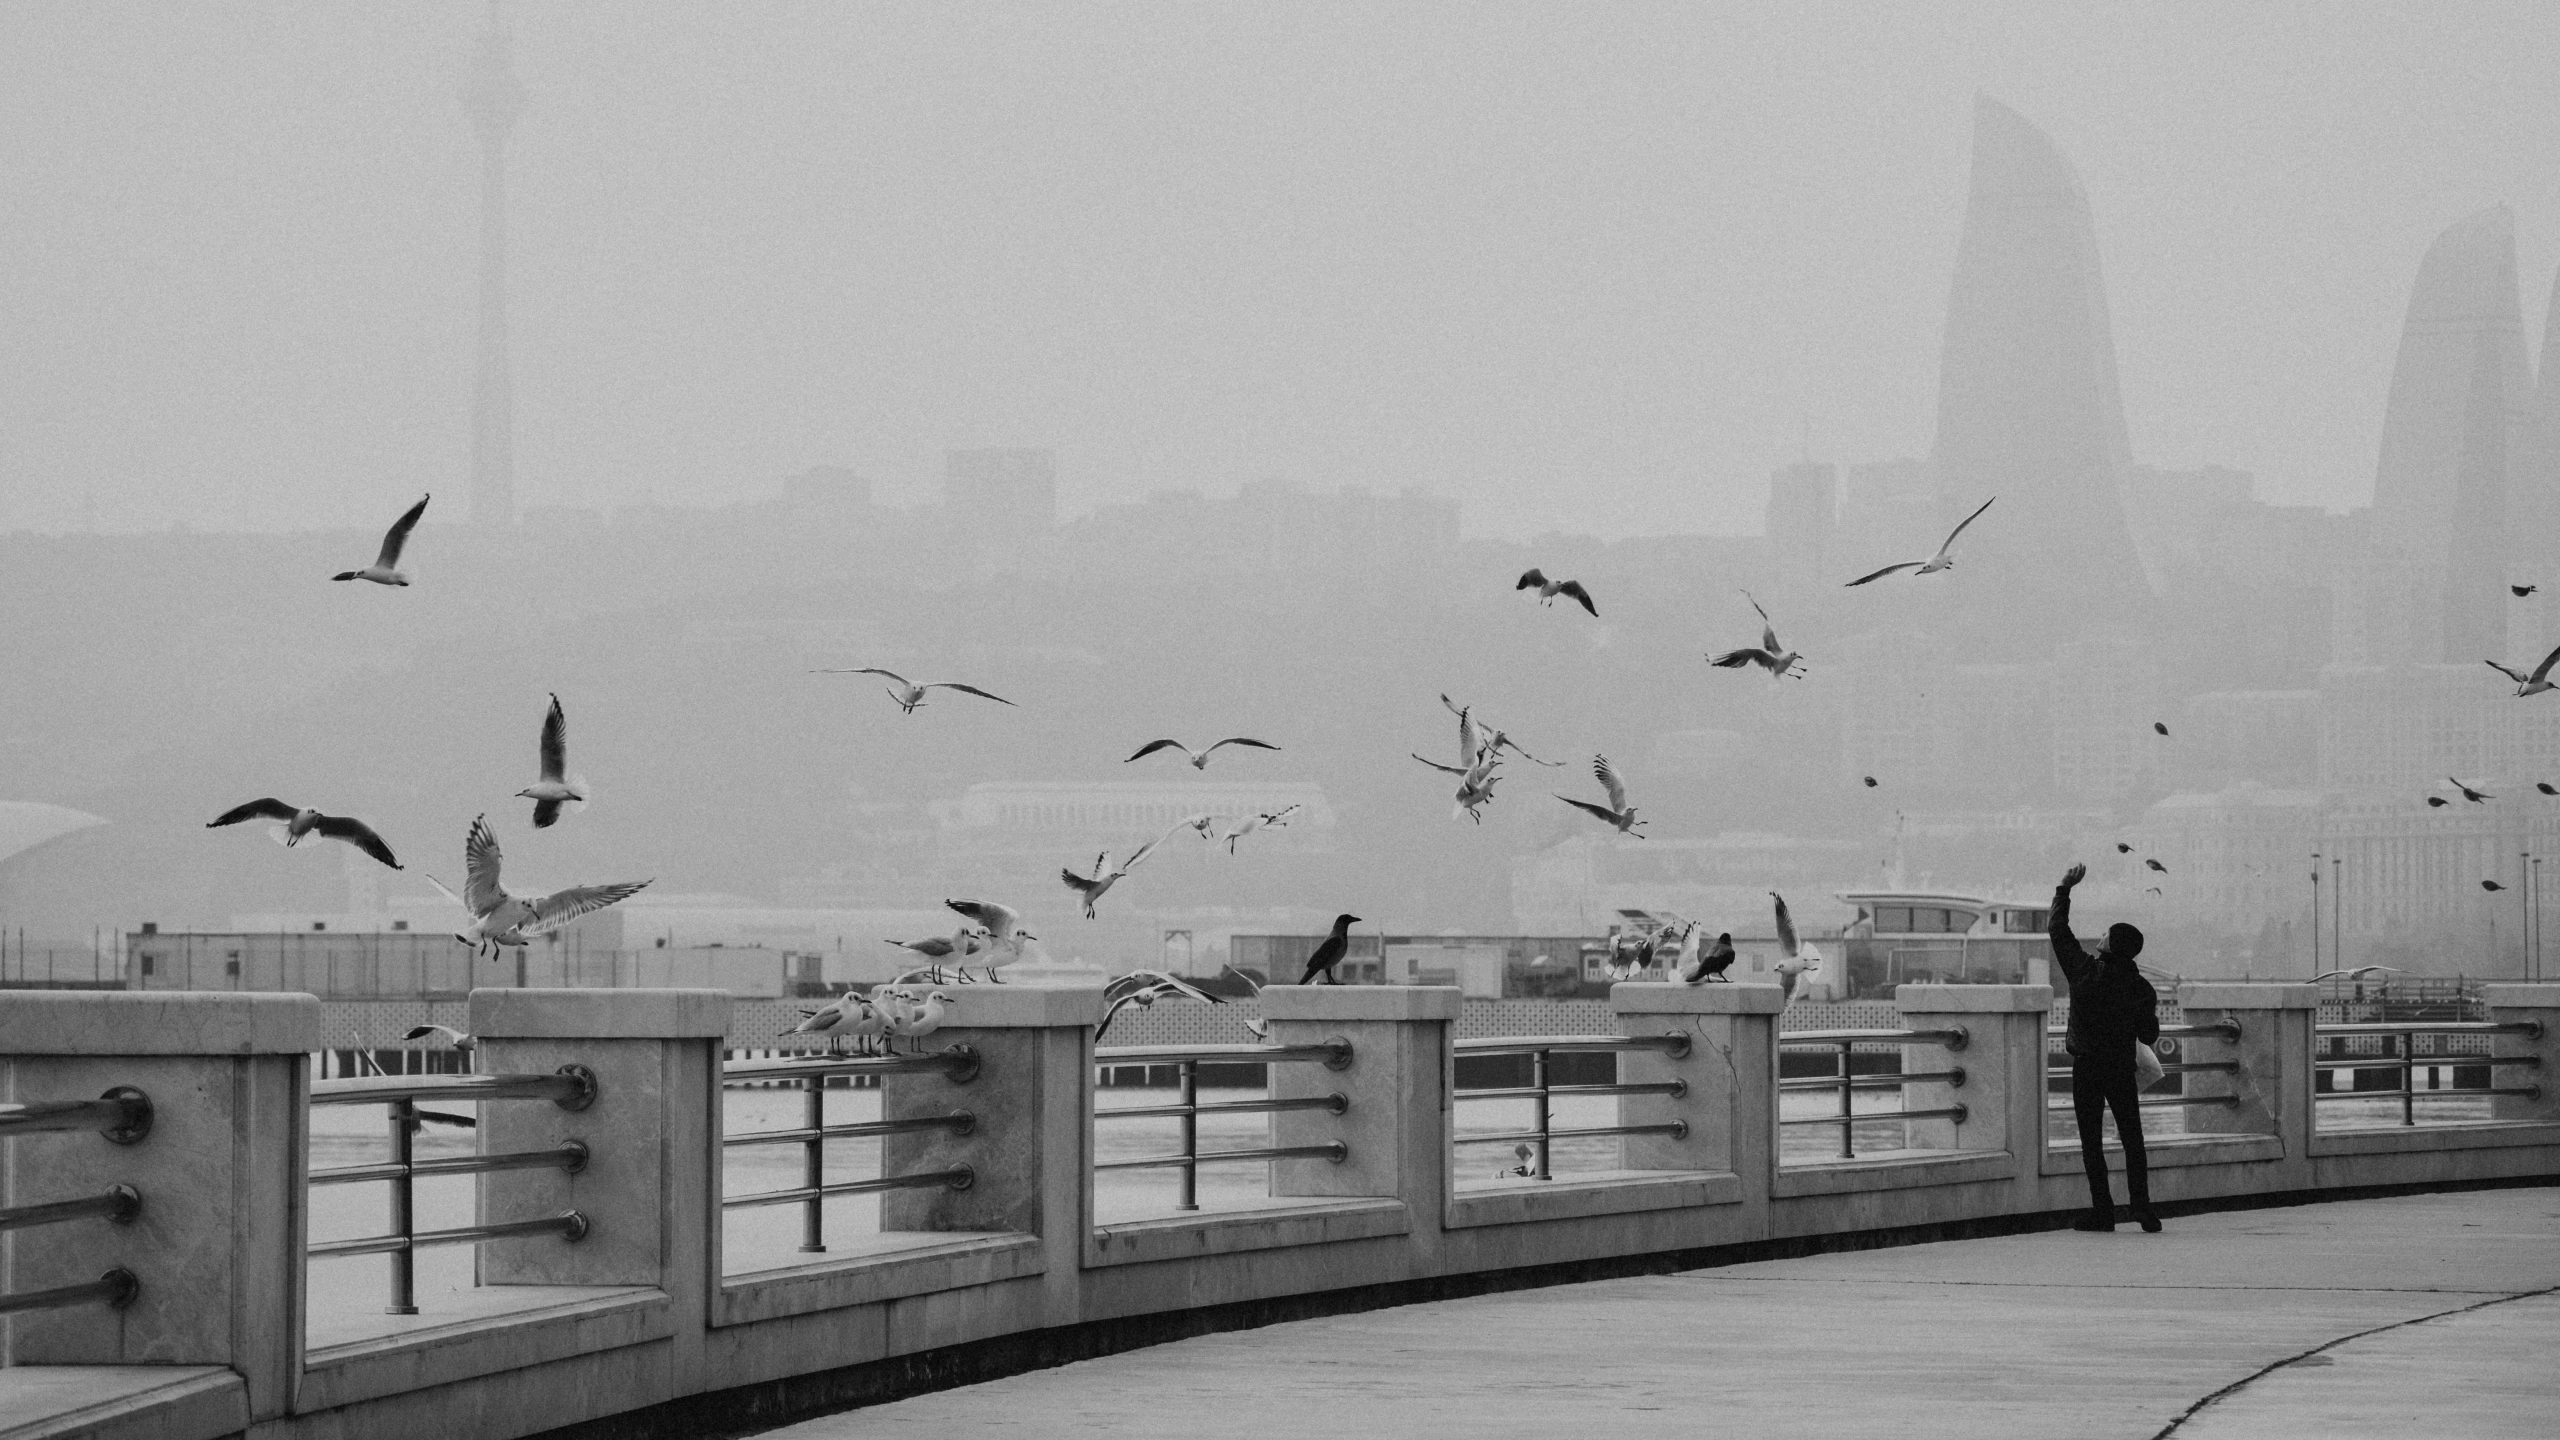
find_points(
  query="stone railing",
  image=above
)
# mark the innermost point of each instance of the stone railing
(162, 1276)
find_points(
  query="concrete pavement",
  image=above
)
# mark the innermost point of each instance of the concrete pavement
(2230, 1324)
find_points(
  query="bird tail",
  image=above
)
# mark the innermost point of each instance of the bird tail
(345, 575)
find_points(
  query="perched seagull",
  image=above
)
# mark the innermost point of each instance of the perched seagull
(964, 942)
(2491, 885)
(1697, 968)
(916, 1018)
(1267, 820)
(2474, 796)
(1094, 887)
(909, 694)
(1801, 957)
(301, 821)
(498, 918)
(843, 1016)
(385, 569)
(2533, 684)
(1771, 656)
(1143, 988)
(2522, 591)
(453, 1037)
(1005, 936)
(1548, 590)
(1943, 560)
(1330, 953)
(1199, 758)
(554, 789)
(1617, 812)
(2149, 864)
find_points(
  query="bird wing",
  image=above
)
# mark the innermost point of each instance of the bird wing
(1755, 604)
(1533, 576)
(2544, 669)
(1505, 742)
(1609, 781)
(866, 670)
(1247, 979)
(1786, 925)
(1586, 807)
(1574, 589)
(398, 534)
(357, 833)
(1078, 883)
(1880, 574)
(1153, 746)
(269, 808)
(2517, 676)
(447, 891)
(964, 689)
(1143, 851)
(999, 919)
(558, 908)
(1279, 816)
(481, 892)
(1434, 764)
(1950, 542)
(1240, 740)
(555, 742)
(545, 814)
(1736, 659)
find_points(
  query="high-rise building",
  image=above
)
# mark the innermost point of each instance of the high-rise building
(2533, 555)
(495, 100)
(2028, 405)
(2448, 488)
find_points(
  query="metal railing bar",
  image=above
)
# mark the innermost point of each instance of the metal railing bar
(2434, 1027)
(117, 1288)
(2529, 1092)
(2218, 1030)
(1950, 1038)
(2386, 1061)
(958, 1178)
(2163, 1102)
(1332, 1052)
(1523, 1092)
(1335, 1103)
(959, 1062)
(571, 1157)
(2191, 1067)
(1677, 1129)
(1672, 1043)
(571, 1087)
(1875, 1082)
(1951, 1112)
(119, 1203)
(569, 1225)
(1334, 1150)
(958, 1122)
(123, 1115)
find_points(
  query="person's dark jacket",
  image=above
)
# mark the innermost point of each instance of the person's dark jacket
(2112, 1006)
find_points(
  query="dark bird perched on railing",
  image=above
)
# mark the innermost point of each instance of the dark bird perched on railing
(1199, 758)
(1143, 988)
(1548, 589)
(1330, 953)
(1698, 965)
(302, 820)
(385, 569)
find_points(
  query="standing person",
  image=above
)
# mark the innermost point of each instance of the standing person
(2112, 1009)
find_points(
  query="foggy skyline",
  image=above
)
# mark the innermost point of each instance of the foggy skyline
(1594, 271)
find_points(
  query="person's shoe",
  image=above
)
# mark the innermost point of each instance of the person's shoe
(2150, 1222)
(2096, 1222)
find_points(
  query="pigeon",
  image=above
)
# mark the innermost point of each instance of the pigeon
(1797, 957)
(1143, 988)
(1770, 656)
(2159, 728)
(2437, 802)
(1093, 888)
(301, 820)
(2533, 684)
(1199, 758)
(1871, 782)
(2521, 591)
(1005, 936)
(1267, 820)
(498, 918)
(2123, 849)
(1698, 969)
(1943, 560)
(385, 569)
(554, 789)
(2491, 885)
(2474, 796)
(1330, 953)
(1617, 812)
(2155, 865)
(1548, 590)
(910, 694)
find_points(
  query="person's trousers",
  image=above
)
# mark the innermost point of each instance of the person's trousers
(2096, 1088)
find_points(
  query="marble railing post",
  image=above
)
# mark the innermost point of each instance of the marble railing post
(217, 1242)
(1030, 1096)
(2512, 1004)
(2273, 1084)
(2002, 1057)
(1731, 1071)
(1395, 1124)
(650, 1189)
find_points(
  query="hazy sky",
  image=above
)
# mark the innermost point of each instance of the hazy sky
(1591, 267)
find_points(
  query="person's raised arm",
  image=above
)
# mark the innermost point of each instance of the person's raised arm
(2075, 962)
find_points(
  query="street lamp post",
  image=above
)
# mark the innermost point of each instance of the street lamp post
(2315, 912)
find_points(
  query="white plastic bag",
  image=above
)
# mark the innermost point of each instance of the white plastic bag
(2147, 1071)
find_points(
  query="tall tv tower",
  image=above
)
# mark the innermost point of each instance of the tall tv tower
(495, 100)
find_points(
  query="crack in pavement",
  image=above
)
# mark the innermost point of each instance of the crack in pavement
(2247, 1380)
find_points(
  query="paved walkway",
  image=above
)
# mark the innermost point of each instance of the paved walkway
(2398, 1318)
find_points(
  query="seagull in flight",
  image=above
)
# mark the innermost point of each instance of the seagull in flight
(2522, 591)
(1548, 590)
(385, 569)
(1771, 656)
(1489, 743)
(1267, 820)
(1199, 758)
(909, 694)
(1618, 813)
(2491, 885)
(2149, 864)
(1143, 988)
(1005, 936)
(554, 789)
(498, 918)
(2533, 684)
(1259, 1029)
(299, 821)
(1094, 887)
(1943, 560)
(1801, 957)
(2474, 796)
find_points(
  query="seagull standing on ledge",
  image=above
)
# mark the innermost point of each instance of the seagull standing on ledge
(1548, 590)
(1617, 812)
(1943, 560)
(909, 694)
(301, 821)
(554, 789)
(1005, 935)
(385, 569)
(1199, 758)
(498, 918)
(1771, 656)
(2533, 684)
